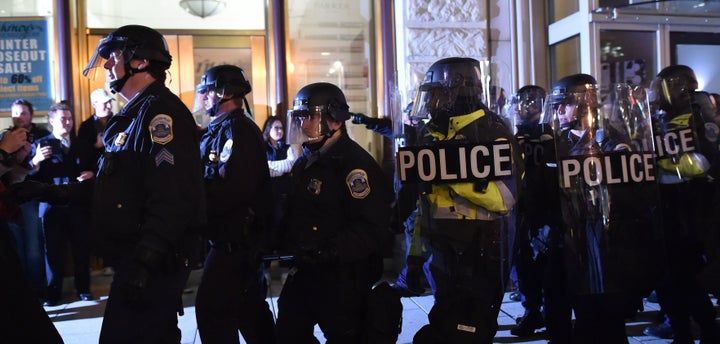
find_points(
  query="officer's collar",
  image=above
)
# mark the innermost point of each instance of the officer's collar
(225, 115)
(138, 100)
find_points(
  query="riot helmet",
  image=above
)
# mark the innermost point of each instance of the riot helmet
(671, 90)
(130, 42)
(525, 107)
(314, 105)
(217, 83)
(574, 102)
(452, 87)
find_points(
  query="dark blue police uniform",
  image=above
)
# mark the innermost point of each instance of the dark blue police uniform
(231, 295)
(148, 194)
(337, 224)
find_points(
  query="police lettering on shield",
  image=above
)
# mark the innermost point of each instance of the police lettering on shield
(454, 162)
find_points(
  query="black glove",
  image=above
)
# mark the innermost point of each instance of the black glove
(317, 256)
(27, 190)
(146, 263)
(359, 118)
(136, 286)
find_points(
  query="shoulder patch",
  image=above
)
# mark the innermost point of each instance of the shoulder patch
(711, 131)
(357, 182)
(161, 129)
(226, 151)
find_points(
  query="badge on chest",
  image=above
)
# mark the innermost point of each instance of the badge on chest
(314, 186)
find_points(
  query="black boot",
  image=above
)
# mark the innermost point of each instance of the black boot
(528, 323)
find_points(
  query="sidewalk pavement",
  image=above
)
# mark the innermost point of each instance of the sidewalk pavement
(79, 321)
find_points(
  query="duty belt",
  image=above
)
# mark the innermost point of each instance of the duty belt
(225, 246)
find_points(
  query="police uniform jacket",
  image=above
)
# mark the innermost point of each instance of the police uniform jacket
(149, 188)
(340, 202)
(86, 137)
(236, 176)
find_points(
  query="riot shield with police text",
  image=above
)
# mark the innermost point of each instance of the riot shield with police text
(466, 165)
(539, 230)
(608, 190)
(688, 163)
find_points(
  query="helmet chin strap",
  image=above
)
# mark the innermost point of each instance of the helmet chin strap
(315, 143)
(213, 111)
(117, 85)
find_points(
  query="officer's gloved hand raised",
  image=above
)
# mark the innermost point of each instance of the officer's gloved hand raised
(146, 263)
(27, 190)
(359, 118)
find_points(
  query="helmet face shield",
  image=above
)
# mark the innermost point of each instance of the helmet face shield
(305, 125)
(431, 99)
(313, 107)
(525, 109)
(669, 93)
(452, 87)
(206, 99)
(574, 109)
(108, 47)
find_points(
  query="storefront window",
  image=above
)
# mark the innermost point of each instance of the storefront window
(559, 9)
(26, 8)
(237, 15)
(627, 56)
(330, 41)
(661, 7)
(565, 58)
(699, 51)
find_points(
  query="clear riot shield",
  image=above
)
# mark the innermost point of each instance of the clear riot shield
(538, 213)
(608, 190)
(687, 164)
(465, 164)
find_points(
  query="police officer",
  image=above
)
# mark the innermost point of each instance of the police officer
(337, 224)
(464, 223)
(231, 295)
(538, 256)
(689, 201)
(149, 192)
(611, 237)
(413, 277)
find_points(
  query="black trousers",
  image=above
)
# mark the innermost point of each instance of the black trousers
(65, 225)
(231, 298)
(328, 296)
(25, 320)
(152, 323)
